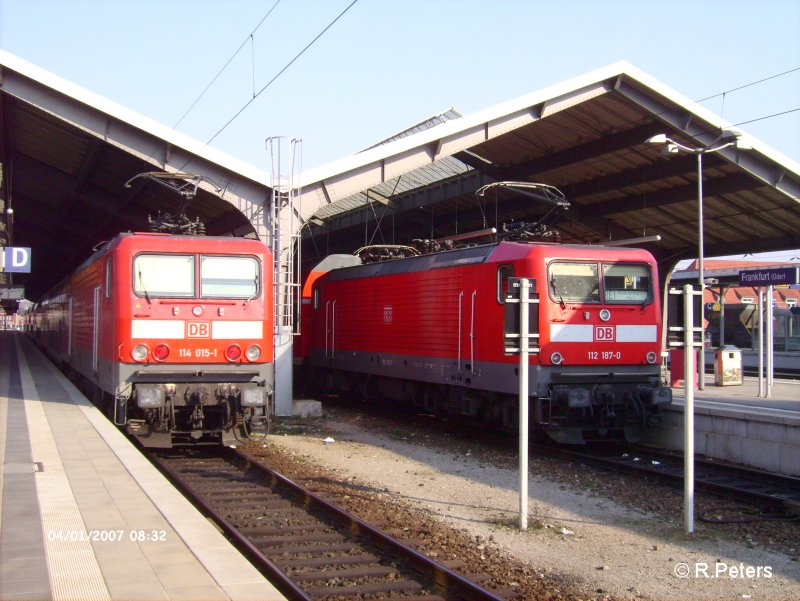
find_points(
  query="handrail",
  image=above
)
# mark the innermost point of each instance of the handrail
(460, 297)
(472, 335)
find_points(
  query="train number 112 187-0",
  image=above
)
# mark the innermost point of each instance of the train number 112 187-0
(604, 355)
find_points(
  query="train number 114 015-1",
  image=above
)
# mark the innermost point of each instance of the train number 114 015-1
(198, 353)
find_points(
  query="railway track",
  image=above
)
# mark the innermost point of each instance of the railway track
(732, 481)
(744, 484)
(307, 547)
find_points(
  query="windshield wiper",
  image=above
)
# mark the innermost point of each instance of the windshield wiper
(255, 291)
(144, 289)
(555, 292)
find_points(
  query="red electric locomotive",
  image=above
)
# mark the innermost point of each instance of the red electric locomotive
(433, 330)
(174, 332)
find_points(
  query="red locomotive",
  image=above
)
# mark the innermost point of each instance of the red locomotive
(174, 332)
(433, 330)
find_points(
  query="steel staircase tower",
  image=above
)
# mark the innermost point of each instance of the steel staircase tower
(285, 167)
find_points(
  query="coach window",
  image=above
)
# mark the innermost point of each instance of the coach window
(109, 275)
(163, 275)
(574, 282)
(626, 283)
(504, 272)
(228, 277)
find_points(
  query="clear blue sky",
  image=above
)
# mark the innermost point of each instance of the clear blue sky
(387, 64)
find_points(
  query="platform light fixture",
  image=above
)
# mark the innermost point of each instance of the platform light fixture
(726, 139)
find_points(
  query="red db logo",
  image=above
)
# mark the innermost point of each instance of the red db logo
(604, 333)
(198, 329)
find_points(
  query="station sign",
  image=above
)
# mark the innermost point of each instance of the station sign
(770, 277)
(15, 259)
(11, 292)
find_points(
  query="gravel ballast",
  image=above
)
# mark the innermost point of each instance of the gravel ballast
(592, 534)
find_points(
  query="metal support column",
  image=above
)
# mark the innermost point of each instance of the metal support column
(769, 323)
(524, 301)
(285, 246)
(688, 408)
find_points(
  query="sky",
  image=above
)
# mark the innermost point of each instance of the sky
(385, 65)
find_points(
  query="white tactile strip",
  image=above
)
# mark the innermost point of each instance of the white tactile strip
(213, 551)
(63, 529)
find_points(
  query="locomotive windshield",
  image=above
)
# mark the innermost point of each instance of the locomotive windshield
(574, 282)
(173, 276)
(163, 275)
(228, 277)
(626, 283)
(622, 283)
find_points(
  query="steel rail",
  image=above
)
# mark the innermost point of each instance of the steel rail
(274, 574)
(444, 581)
(730, 480)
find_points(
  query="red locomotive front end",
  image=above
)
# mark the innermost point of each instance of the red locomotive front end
(175, 334)
(599, 322)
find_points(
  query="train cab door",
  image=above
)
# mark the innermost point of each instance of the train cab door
(69, 327)
(95, 328)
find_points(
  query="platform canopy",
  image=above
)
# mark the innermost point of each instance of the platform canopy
(586, 136)
(65, 157)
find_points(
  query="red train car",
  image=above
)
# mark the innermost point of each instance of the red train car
(173, 332)
(432, 330)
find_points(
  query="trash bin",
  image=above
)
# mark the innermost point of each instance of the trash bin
(728, 366)
(676, 366)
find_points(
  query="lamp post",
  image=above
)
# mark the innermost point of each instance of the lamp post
(726, 139)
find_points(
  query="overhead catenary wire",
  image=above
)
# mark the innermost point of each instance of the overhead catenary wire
(277, 75)
(747, 85)
(768, 116)
(249, 38)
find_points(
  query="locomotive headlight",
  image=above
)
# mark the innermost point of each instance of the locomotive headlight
(605, 314)
(233, 353)
(161, 352)
(253, 352)
(556, 359)
(651, 357)
(197, 310)
(253, 397)
(139, 352)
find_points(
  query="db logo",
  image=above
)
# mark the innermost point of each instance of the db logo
(604, 333)
(198, 329)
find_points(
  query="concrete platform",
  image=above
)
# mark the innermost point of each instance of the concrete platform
(84, 515)
(733, 424)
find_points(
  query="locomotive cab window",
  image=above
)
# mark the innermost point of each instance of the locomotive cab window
(109, 276)
(163, 275)
(626, 283)
(227, 276)
(574, 282)
(504, 272)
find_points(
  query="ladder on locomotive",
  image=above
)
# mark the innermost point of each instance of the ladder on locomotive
(285, 235)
